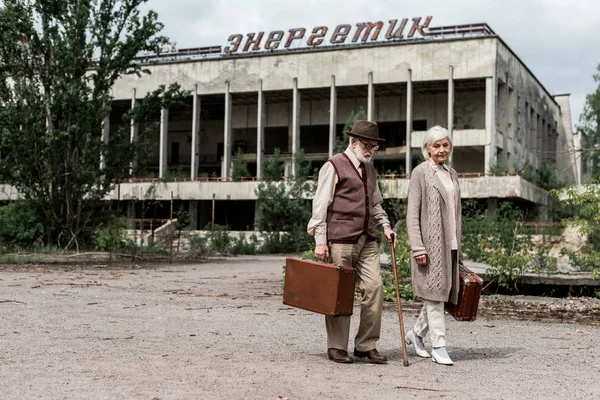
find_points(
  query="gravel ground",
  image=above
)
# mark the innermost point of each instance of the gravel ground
(218, 330)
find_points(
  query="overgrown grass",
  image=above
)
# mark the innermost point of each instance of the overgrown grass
(29, 259)
(32, 255)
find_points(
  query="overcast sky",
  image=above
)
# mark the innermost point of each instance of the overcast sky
(559, 40)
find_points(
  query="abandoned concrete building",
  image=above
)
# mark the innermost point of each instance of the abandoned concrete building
(464, 78)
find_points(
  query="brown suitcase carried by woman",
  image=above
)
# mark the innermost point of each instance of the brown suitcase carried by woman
(320, 287)
(468, 295)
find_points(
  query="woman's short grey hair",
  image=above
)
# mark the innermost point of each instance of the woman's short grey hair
(434, 134)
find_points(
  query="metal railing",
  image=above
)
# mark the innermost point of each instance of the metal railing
(310, 178)
(147, 224)
(461, 30)
(543, 228)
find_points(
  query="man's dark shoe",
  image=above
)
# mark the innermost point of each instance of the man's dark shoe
(339, 356)
(372, 355)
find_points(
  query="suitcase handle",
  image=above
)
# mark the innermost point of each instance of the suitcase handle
(346, 270)
(469, 274)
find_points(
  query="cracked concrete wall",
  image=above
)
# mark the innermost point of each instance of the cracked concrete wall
(529, 118)
(472, 57)
(568, 159)
(526, 118)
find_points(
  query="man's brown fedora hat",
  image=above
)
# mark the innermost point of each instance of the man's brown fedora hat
(366, 130)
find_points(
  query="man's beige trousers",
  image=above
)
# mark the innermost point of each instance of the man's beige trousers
(364, 257)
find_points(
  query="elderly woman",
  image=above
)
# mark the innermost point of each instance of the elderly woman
(434, 231)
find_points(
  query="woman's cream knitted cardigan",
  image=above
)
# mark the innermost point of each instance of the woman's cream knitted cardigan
(429, 233)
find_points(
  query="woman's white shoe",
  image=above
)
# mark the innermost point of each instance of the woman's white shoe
(440, 355)
(412, 338)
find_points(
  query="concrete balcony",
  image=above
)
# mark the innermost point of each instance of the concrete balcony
(472, 186)
(483, 187)
(460, 137)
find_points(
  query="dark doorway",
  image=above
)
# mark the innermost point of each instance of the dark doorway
(175, 153)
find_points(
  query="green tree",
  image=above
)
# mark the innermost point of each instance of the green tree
(341, 141)
(59, 60)
(302, 167)
(548, 178)
(274, 168)
(589, 126)
(184, 219)
(586, 202)
(240, 166)
(283, 206)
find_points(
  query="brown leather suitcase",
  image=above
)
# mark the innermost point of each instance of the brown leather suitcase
(320, 287)
(468, 295)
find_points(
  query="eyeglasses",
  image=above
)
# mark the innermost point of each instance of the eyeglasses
(369, 146)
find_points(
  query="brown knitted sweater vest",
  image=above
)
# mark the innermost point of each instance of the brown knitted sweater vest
(349, 214)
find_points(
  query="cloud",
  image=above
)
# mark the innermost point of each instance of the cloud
(556, 39)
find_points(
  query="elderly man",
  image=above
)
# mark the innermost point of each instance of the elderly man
(346, 210)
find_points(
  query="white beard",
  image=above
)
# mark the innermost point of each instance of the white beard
(360, 156)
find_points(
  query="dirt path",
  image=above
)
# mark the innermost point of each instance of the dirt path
(218, 330)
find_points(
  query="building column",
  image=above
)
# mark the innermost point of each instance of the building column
(576, 144)
(451, 103)
(196, 105)
(131, 210)
(226, 166)
(409, 117)
(164, 133)
(260, 131)
(133, 134)
(491, 85)
(295, 124)
(370, 98)
(507, 120)
(105, 138)
(332, 116)
(528, 132)
(193, 210)
(492, 205)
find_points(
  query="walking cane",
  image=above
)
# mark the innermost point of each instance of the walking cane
(404, 356)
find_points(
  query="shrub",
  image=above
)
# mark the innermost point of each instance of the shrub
(389, 290)
(184, 219)
(402, 252)
(497, 168)
(586, 203)
(497, 239)
(109, 236)
(500, 229)
(199, 246)
(506, 267)
(243, 246)
(220, 241)
(528, 173)
(542, 262)
(20, 224)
